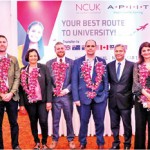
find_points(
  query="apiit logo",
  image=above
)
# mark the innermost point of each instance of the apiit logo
(126, 7)
(87, 7)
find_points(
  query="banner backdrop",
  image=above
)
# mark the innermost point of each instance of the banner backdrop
(73, 22)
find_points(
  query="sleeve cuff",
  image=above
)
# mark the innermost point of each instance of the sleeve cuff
(67, 91)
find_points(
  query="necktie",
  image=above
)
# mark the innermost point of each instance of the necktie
(118, 71)
(60, 60)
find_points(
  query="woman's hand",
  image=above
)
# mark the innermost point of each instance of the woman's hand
(144, 92)
(22, 108)
(148, 104)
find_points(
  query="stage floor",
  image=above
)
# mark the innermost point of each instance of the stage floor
(26, 139)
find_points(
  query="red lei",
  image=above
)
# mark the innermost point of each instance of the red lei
(59, 70)
(143, 75)
(4, 66)
(29, 83)
(85, 73)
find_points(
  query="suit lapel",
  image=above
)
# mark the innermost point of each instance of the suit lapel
(113, 69)
(9, 70)
(67, 71)
(52, 71)
(124, 69)
(94, 71)
(40, 72)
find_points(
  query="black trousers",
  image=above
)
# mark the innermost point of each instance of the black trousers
(142, 117)
(115, 115)
(12, 112)
(38, 111)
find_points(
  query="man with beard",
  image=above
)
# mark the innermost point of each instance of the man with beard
(9, 83)
(90, 92)
(60, 71)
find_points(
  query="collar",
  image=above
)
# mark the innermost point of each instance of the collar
(87, 59)
(122, 62)
(6, 55)
(58, 59)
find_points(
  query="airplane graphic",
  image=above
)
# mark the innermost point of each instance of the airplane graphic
(142, 27)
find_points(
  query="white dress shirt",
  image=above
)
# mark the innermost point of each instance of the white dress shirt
(90, 63)
(63, 60)
(121, 66)
(6, 81)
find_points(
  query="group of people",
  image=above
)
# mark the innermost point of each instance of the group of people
(88, 82)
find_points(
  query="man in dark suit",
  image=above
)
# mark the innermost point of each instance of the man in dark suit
(120, 75)
(90, 92)
(60, 72)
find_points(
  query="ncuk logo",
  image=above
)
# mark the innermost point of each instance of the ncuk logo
(87, 8)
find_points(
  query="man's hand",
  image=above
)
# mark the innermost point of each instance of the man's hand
(48, 106)
(77, 103)
(63, 92)
(144, 92)
(7, 97)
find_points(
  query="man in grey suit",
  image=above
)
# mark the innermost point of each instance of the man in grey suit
(9, 97)
(120, 75)
(60, 72)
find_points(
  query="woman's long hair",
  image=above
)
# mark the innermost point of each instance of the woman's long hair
(141, 58)
(27, 42)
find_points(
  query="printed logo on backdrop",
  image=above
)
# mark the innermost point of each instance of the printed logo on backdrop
(87, 7)
(68, 47)
(128, 7)
(99, 47)
(135, 9)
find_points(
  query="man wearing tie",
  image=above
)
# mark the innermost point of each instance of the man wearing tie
(60, 72)
(9, 97)
(90, 92)
(120, 76)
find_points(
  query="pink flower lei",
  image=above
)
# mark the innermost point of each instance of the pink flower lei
(144, 74)
(4, 66)
(85, 74)
(29, 83)
(59, 70)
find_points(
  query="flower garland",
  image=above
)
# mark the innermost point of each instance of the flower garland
(4, 66)
(29, 83)
(144, 76)
(85, 73)
(59, 70)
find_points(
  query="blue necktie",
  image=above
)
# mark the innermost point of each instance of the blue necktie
(118, 71)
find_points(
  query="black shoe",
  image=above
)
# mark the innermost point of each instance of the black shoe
(45, 147)
(17, 148)
(82, 146)
(115, 147)
(100, 146)
(37, 146)
(126, 148)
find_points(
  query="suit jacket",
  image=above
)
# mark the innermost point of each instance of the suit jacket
(79, 88)
(120, 93)
(13, 77)
(45, 85)
(67, 81)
